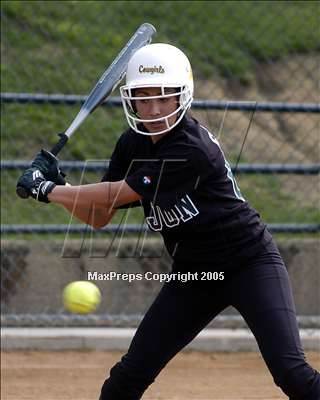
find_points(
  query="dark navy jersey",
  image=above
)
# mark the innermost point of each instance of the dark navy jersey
(189, 195)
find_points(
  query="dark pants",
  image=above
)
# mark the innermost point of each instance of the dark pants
(261, 292)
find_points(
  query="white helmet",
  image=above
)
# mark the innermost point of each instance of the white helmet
(158, 65)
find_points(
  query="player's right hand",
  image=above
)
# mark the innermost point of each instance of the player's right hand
(48, 165)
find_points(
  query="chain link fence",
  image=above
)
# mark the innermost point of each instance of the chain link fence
(257, 52)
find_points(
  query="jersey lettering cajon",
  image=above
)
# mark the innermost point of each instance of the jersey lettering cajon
(190, 196)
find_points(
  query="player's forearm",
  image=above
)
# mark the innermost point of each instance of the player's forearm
(96, 217)
(89, 203)
(84, 196)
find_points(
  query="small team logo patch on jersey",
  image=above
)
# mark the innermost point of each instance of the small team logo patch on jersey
(146, 180)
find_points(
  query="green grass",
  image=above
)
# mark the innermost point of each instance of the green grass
(228, 37)
(265, 195)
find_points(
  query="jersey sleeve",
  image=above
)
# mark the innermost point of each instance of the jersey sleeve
(118, 169)
(177, 171)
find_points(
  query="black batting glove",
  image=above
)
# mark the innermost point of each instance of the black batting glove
(36, 185)
(48, 165)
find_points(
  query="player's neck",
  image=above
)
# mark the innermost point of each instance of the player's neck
(156, 138)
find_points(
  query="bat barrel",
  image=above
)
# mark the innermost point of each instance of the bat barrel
(82, 115)
(113, 75)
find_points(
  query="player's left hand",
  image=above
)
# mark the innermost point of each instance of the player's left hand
(34, 182)
(48, 164)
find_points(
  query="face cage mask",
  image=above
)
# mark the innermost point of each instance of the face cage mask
(185, 100)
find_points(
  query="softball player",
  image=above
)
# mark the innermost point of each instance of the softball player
(175, 168)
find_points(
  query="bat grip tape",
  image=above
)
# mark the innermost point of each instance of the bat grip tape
(57, 147)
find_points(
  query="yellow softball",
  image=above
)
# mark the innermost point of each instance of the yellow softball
(81, 297)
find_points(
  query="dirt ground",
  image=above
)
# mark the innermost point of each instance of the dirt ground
(71, 375)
